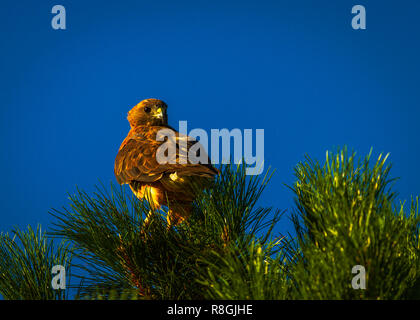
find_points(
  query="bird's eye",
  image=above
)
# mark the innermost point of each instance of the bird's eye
(147, 109)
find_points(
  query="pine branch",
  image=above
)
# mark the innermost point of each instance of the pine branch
(345, 217)
(26, 262)
(346, 214)
(119, 251)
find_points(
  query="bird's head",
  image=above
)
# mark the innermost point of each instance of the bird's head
(149, 112)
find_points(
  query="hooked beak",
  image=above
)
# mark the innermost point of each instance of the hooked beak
(159, 113)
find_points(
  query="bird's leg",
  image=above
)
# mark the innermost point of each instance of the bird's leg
(146, 221)
(178, 213)
(151, 198)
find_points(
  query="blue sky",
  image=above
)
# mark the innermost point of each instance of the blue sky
(293, 68)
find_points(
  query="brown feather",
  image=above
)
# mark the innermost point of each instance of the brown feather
(136, 162)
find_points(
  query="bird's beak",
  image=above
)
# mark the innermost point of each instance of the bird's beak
(159, 113)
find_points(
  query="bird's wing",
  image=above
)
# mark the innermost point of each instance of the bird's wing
(136, 159)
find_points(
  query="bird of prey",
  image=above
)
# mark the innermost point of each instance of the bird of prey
(137, 162)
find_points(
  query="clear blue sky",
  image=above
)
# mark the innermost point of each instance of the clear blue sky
(294, 68)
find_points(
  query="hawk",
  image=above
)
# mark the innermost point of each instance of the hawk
(137, 163)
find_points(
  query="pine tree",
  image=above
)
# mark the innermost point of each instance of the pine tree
(346, 215)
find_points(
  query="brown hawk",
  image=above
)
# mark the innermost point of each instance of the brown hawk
(138, 165)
